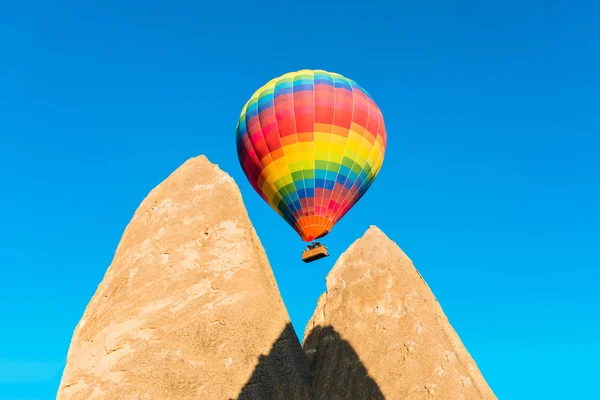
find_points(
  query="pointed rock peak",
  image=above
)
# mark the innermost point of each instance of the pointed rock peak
(374, 230)
(379, 313)
(200, 160)
(201, 165)
(189, 307)
(376, 237)
(374, 247)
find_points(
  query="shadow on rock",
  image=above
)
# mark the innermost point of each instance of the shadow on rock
(336, 369)
(332, 371)
(283, 374)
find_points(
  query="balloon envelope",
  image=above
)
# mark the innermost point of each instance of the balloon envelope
(311, 143)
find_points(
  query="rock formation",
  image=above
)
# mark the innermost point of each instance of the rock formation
(189, 307)
(378, 332)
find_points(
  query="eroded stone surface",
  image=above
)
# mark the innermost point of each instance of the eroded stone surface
(379, 332)
(189, 306)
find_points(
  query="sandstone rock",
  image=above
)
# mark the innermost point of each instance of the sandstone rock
(189, 307)
(379, 332)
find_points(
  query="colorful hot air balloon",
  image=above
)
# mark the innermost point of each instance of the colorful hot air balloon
(311, 143)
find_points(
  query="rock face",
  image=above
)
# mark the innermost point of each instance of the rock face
(378, 332)
(189, 307)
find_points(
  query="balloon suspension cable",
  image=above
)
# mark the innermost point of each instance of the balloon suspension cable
(314, 245)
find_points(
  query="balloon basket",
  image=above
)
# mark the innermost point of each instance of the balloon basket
(313, 252)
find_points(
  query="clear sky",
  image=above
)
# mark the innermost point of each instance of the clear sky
(491, 182)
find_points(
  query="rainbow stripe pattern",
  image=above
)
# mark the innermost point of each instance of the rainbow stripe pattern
(311, 143)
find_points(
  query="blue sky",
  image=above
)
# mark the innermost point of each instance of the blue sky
(491, 181)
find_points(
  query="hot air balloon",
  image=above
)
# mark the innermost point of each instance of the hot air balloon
(311, 143)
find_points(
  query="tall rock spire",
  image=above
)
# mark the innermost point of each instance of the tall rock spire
(379, 332)
(189, 307)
